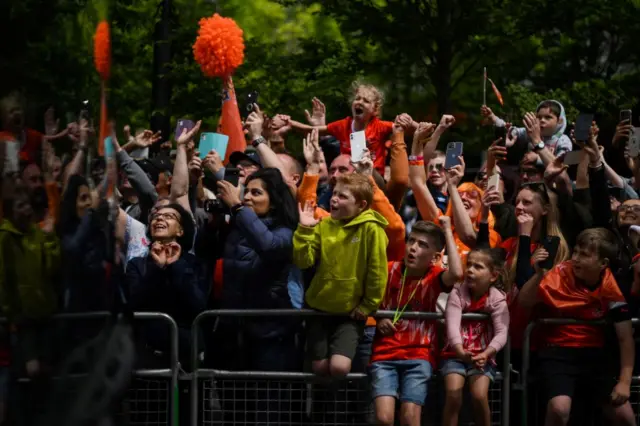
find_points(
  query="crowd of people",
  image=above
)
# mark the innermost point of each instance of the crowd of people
(395, 230)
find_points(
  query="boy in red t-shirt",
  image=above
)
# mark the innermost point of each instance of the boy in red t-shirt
(366, 107)
(575, 355)
(403, 353)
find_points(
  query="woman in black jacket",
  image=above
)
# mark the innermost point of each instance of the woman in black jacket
(167, 279)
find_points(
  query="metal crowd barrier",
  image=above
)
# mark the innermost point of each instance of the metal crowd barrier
(526, 363)
(348, 400)
(152, 397)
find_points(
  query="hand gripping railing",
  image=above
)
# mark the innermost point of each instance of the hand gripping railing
(526, 349)
(305, 313)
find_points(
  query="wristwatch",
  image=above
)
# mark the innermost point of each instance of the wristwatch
(538, 146)
(258, 141)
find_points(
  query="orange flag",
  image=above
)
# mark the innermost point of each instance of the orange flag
(230, 123)
(497, 92)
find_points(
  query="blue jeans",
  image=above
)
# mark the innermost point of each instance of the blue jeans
(405, 380)
(363, 351)
(455, 366)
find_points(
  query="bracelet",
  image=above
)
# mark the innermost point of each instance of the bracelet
(416, 158)
(235, 209)
(416, 162)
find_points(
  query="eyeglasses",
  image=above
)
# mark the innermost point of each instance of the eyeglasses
(165, 216)
(635, 208)
(437, 167)
(470, 194)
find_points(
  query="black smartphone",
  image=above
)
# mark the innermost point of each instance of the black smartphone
(500, 133)
(252, 98)
(232, 175)
(84, 111)
(583, 125)
(550, 244)
(625, 114)
(454, 150)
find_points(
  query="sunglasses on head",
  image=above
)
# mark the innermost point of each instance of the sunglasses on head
(538, 187)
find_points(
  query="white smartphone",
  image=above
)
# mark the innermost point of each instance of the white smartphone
(634, 142)
(572, 158)
(494, 182)
(358, 145)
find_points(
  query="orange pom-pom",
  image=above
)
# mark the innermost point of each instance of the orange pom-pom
(102, 50)
(219, 47)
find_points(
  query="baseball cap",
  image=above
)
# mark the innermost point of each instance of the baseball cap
(249, 155)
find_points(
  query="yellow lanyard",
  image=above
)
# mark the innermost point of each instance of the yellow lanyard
(398, 314)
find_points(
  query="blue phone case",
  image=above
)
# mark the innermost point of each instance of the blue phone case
(213, 141)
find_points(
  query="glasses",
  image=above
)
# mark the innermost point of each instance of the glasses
(165, 216)
(437, 167)
(470, 194)
(635, 208)
(538, 187)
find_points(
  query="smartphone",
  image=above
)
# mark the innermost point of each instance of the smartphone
(182, 124)
(500, 133)
(454, 150)
(625, 114)
(213, 141)
(84, 110)
(550, 244)
(572, 158)
(232, 175)
(358, 142)
(494, 182)
(634, 142)
(583, 125)
(252, 98)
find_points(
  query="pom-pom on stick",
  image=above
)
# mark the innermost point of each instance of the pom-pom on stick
(219, 47)
(102, 50)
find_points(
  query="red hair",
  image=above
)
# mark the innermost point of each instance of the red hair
(219, 47)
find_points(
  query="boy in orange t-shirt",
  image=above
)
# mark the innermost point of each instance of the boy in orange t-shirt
(366, 107)
(575, 355)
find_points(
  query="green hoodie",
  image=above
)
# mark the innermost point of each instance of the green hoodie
(351, 259)
(28, 266)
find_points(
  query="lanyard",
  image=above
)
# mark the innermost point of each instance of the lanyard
(398, 314)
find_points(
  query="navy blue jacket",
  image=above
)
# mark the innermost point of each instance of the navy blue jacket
(257, 259)
(179, 290)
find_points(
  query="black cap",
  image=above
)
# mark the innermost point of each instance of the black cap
(249, 155)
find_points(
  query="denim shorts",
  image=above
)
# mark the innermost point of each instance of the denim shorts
(455, 366)
(405, 380)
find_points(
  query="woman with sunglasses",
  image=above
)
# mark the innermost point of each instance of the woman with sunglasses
(464, 204)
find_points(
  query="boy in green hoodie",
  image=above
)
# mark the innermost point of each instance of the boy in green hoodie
(349, 249)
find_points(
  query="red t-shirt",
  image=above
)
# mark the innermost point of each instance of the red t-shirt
(377, 132)
(476, 335)
(32, 140)
(414, 339)
(564, 297)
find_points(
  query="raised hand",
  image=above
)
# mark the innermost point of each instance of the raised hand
(365, 165)
(195, 168)
(446, 122)
(188, 135)
(255, 122)
(455, 174)
(146, 138)
(228, 193)
(317, 118)
(492, 197)
(213, 161)
(555, 168)
(421, 136)
(486, 112)
(532, 125)
(280, 124)
(511, 137)
(311, 148)
(623, 132)
(445, 222)
(307, 214)
(51, 125)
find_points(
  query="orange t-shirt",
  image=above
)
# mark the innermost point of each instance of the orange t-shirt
(563, 297)
(377, 132)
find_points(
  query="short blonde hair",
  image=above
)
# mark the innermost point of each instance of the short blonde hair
(359, 185)
(378, 96)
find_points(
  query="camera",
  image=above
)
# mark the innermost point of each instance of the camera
(216, 206)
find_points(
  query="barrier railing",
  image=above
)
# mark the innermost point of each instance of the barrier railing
(526, 356)
(165, 403)
(307, 379)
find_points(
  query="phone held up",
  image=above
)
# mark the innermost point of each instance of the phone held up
(249, 105)
(358, 143)
(217, 206)
(625, 115)
(454, 151)
(583, 125)
(551, 244)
